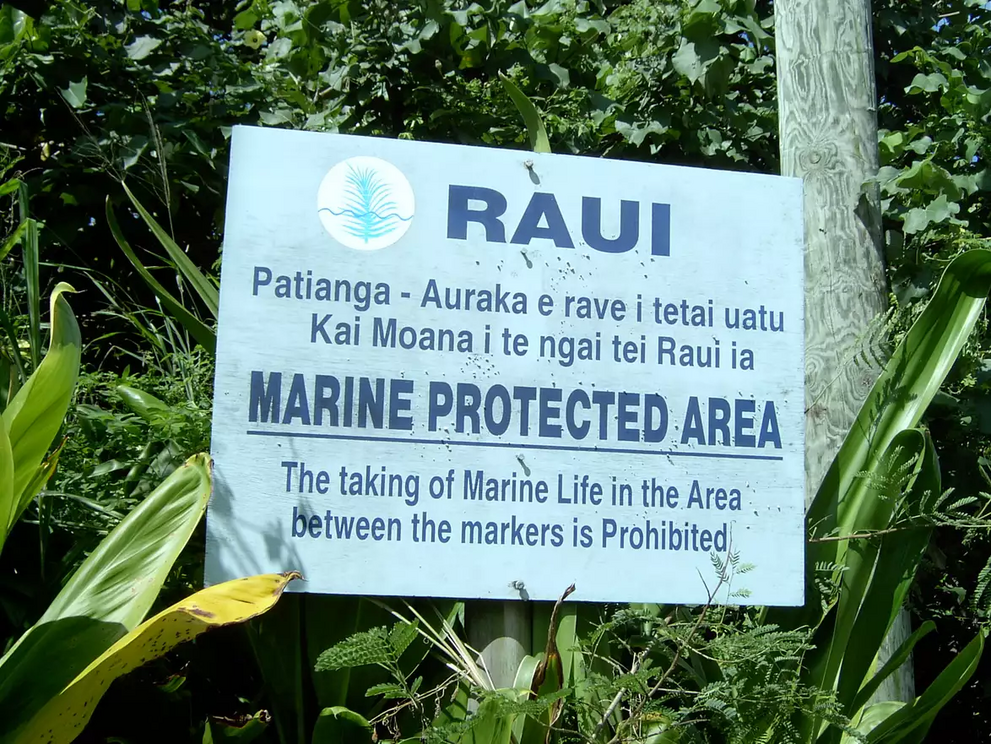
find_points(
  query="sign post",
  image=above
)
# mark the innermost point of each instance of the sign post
(828, 120)
(479, 373)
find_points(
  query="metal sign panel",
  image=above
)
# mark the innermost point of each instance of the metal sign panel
(471, 372)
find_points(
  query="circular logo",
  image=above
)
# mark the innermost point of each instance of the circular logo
(365, 203)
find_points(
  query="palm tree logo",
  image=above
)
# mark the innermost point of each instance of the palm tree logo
(365, 203)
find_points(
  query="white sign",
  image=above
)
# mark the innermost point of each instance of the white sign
(470, 372)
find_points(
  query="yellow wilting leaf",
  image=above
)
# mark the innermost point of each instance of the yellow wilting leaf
(65, 716)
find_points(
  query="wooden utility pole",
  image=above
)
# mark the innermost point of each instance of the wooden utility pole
(501, 632)
(827, 103)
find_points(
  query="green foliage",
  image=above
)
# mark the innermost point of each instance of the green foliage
(25, 234)
(783, 675)
(383, 647)
(115, 453)
(33, 417)
(150, 92)
(376, 646)
(534, 124)
(713, 674)
(241, 732)
(106, 598)
(875, 574)
(115, 586)
(65, 715)
(189, 320)
(933, 80)
(934, 171)
(93, 95)
(55, 673)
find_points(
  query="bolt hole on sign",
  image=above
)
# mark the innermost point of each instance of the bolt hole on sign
(468, 372)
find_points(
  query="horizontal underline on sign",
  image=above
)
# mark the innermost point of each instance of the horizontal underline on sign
(505, 445)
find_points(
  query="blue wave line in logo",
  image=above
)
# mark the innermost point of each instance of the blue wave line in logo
(368, 207)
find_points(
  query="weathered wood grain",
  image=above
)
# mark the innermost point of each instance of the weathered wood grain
(828, 129)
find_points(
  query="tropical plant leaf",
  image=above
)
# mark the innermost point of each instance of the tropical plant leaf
(15, 355)
(899, 657)
(491, 723)
(13, 239)
(32, 261)
(896, 402)
(75, 94)
(6, 480)
(870, 719)
(145, 405)
(898, 399)
(203, 287)
(35, 414)
(351, 615)
(848, 503)
(107, 597)
(531, 117)
(898, 556)
(66, 715)
(121, 578)
(276, 640)
(42, 475)
(911, 723)
(206, 336)
(401, 636)
(339, 724)
(864, 606)
(389, 690)
(367, 647)
(525, 729)
(10, 186)
(216, 732)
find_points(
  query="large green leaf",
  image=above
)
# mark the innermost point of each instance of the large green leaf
(870, 719)
(527, 730)
(531, 117)
(872, 591)
(215, 732)
(65, 716)
(199, 330)
(338, 724)
(121, 578)
(898, 399)
(146, 405)
(898, 658)
(206, 290)
(13, 239)
(911, 723)
(277, 642)
(6, 477)
(848, 502)
(331, 687)
(75, 94)
(491, 724)
(903, 391)
(107, 597)
(35, 414)
(899, 554)
(41, 477)
(13, 353)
